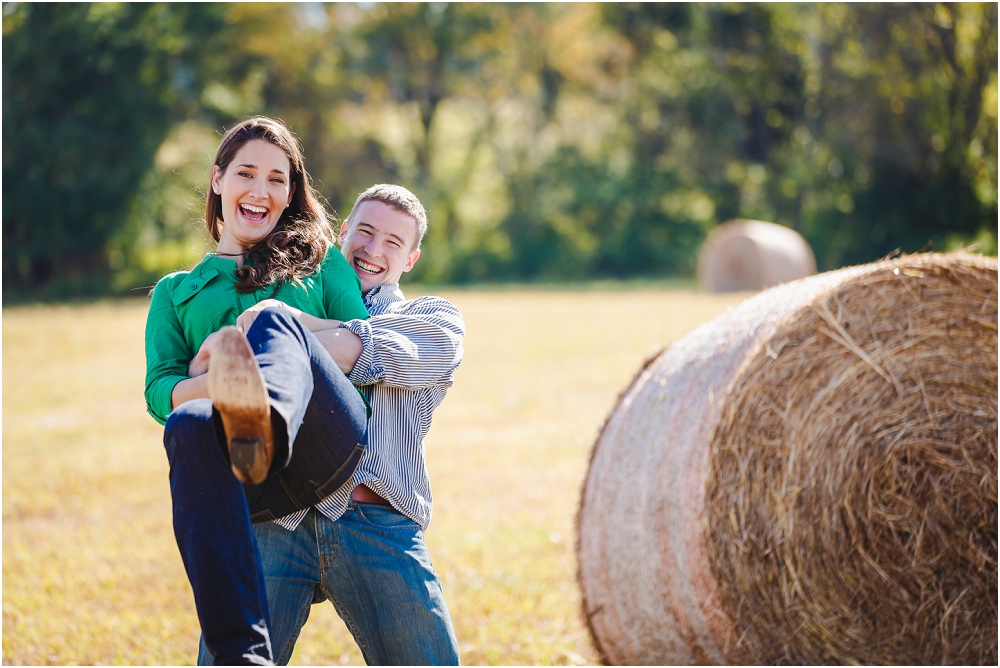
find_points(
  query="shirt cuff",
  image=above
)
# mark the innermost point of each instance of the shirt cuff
(368, 369)
(159, 401)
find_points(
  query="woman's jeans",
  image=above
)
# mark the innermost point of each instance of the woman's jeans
(320, 428)
(373, 565)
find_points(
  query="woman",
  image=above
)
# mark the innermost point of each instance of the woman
(245, 391)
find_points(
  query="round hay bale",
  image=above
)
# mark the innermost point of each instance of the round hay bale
(810, 478)
(752, 255)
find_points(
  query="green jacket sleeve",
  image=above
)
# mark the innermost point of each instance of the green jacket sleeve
(341, 289)
(167, 352)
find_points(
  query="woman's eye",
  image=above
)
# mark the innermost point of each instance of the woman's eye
(246, 175)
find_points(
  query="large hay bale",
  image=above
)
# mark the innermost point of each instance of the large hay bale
(809, 478)
(752, 255)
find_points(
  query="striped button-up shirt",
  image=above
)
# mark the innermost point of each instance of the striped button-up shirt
(410, 350)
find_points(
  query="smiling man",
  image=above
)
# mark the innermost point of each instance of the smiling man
(363, 547)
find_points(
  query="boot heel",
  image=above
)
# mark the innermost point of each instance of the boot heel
(238, 392)
(245, 453)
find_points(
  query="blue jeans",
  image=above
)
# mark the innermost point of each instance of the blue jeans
(373, 565)
(319, 422)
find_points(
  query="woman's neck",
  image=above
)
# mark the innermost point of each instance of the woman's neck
(229, 248)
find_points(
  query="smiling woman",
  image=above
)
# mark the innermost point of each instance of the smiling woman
(259, 421)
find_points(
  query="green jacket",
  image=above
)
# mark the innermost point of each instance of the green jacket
(187, 306)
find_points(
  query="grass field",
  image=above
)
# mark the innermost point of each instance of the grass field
(91, 573)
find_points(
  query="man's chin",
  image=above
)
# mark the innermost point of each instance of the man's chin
(368, 282)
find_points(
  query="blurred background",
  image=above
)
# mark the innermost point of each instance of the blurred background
(554, 145)
(550, 142)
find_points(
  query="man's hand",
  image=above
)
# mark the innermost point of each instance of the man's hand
(246, 318)
(199, 365)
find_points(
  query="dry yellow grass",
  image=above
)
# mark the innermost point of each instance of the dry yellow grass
(91, 574)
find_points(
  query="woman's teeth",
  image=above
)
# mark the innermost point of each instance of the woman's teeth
(253, 212)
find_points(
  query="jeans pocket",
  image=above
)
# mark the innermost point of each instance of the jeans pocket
(385, 517)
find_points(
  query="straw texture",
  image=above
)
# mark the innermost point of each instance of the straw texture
(752, 255)
(809, 478)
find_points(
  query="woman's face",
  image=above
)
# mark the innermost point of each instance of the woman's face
(255, 189)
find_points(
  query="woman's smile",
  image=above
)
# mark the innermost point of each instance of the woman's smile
(254, 213)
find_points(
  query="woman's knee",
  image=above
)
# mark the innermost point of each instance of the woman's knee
(275, 317)
(189, 424)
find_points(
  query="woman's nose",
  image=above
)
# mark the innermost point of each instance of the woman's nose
(259, 188)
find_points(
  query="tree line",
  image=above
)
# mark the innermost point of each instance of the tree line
(548, 141)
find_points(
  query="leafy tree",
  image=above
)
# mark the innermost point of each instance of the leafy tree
(89, 93)
(547, 140)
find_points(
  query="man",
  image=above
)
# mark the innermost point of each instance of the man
(362, 548)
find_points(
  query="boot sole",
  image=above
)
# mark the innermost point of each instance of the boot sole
(236, 387)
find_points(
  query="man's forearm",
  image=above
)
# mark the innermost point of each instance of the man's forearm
(343, 345)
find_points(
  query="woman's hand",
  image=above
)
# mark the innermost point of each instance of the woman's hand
(199, 365)
(246, 318)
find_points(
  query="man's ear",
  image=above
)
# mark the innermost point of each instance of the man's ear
(411, 260)
(343, 233)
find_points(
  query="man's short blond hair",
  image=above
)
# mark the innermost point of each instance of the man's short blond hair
(398, 198)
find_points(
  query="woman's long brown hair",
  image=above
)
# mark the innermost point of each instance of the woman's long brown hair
(298, 242)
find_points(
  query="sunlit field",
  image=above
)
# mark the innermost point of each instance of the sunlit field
(91, 573)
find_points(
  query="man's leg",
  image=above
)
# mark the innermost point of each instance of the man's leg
(381, 581)
(292, 573)
(215, 538)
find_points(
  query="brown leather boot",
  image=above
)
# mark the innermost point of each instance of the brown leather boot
(236, 387)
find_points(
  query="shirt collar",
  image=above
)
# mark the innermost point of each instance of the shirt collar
(384, 294)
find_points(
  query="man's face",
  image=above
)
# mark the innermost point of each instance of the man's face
(380, 244)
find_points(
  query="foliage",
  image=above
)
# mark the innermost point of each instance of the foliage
(88, 94)
(549, 141)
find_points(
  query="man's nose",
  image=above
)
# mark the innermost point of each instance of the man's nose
(374, 248)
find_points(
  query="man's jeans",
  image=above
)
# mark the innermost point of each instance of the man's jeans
(317, 411)
(373, 565)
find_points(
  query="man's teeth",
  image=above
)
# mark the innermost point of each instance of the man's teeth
(368, 268)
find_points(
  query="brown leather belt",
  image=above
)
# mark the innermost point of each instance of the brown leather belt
(362, 494)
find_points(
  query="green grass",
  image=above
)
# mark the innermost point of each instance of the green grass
(91, 573)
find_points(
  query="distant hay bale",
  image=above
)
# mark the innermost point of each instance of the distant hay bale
(752, 255)
(810, 478)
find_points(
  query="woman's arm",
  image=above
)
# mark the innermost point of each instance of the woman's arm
(195, 386)
(311, 322)
(188, 389)
(167, 352)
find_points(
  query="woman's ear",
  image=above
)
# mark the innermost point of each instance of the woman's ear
(216, 180)
(291, 194)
